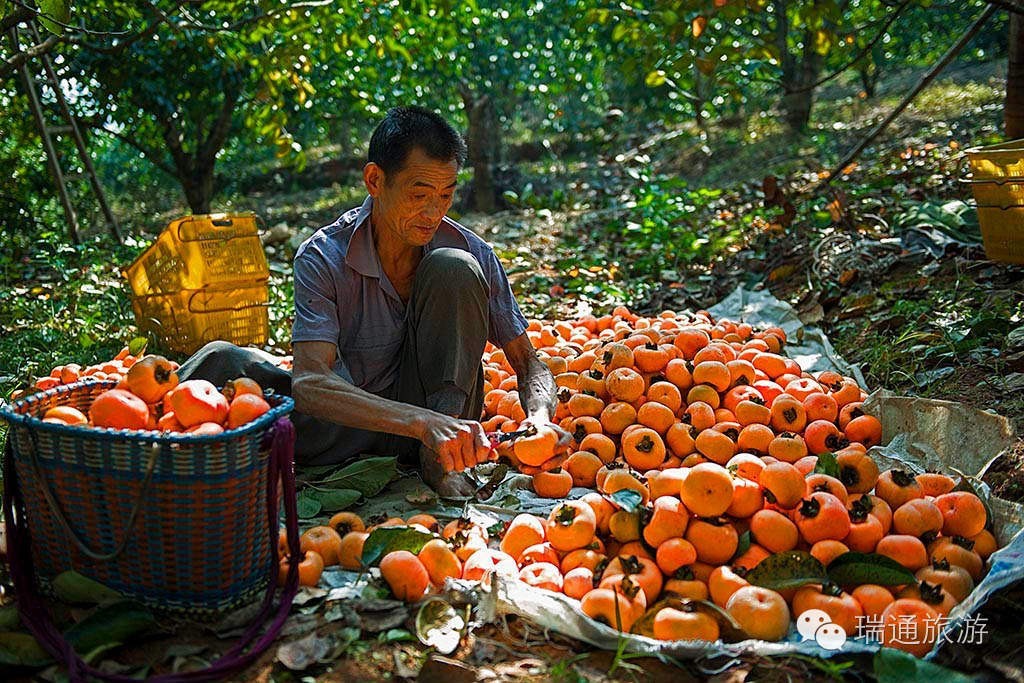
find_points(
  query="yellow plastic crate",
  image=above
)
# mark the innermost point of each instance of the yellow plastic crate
(199, 251)
(997, 180)
(1001, 161)
(186, 320)
(1000, 195)
(1002, 233)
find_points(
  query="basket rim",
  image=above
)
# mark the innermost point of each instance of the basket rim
(284, 405)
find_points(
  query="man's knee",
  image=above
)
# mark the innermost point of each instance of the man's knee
(452, 269)
(217, 347)
(221, 353)
(217, 362)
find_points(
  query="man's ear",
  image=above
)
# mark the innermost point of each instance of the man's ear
(373, 178)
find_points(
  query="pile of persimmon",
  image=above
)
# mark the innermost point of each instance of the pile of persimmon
(340, 542)
(684, 543)
(719, 433)
(150, 397)
(115, 369)
(722, 439)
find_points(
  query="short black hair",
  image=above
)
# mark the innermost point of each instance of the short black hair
(404, 128)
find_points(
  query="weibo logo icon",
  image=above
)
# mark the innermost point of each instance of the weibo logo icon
(816, 625)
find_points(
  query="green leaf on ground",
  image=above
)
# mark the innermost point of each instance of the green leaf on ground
(97, 652)
(314, 472)
(854, 569)
(384, 540)
(335, 499)
(9, 617)
(22, 649)
(744, 544)
(396, 635)
(115, 623)
(308, 506)
(827, 464)
(790, 569)
(367, 476)
(72, 587)
(627, 499)
(896, 666)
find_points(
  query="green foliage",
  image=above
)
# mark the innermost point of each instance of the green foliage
(827, 464)
(564, 670)
(718, 59)
(917, 337)
(659, 227)
(785, 570)
(287, 81)
(854, 569)
(61, 304)
(388, 539)
(891, 666)
(53, 13)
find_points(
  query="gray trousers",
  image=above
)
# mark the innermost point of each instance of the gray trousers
(440, 367)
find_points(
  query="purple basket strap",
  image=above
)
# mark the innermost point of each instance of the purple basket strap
(32, 607)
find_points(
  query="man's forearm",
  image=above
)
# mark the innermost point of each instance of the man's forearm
(330, 398)
(537, 390)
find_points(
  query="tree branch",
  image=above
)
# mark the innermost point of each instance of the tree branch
(172, 138)
(16, 17)
(197, 25)
(151, 154)
(214, 141)
(1008, 5)
(786, 60)
(950, 55)
(14, 63)
(36, 12)
(162, 18)
(862, 53)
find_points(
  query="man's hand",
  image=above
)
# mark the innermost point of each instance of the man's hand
(537, 394)
(461, 444)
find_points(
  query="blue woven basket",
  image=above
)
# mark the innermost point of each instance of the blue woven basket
(177, 522)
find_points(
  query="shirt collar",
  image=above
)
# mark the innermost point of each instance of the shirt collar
(362, 256)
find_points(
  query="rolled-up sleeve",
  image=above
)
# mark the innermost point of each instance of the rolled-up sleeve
(505, 320)
(316, 306)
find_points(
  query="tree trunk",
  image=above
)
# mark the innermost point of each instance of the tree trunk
(1013, 111)
(868, 81)
(483, 143)
(699, 99)
(869, 69)
(195, 170)
(799, 95)
(796, 109)
(799, 72)
(198, 187)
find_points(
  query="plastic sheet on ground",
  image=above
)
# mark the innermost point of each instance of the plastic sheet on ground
(920, 434)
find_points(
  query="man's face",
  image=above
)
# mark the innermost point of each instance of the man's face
(408, 205)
